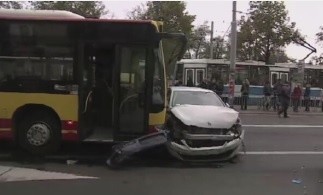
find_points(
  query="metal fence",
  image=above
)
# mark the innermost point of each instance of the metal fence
(257, 99)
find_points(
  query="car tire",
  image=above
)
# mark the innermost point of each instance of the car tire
(39, 134)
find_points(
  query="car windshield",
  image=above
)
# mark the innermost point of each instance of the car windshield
(196, 98)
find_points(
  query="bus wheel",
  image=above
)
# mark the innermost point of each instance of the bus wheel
(39, 134)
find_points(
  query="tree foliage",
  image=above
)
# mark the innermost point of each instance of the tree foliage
(316, 60)
(197, 40)
(83, 8)
(11, 4)
(265, 32)
(138, 13)
(175, 17)
(220, 49)
(173, 13)
(319, 35)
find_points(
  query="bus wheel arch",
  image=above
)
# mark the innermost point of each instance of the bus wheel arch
(37, 129)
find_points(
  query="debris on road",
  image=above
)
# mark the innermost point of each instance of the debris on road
(297, 181)
(124, 151)
(71, 162)
(298, 176)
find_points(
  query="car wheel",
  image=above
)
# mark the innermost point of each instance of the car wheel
(39, 134)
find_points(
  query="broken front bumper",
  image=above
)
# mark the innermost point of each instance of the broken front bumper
(184, 151)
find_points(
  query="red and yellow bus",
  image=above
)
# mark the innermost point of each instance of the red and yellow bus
(68, 78)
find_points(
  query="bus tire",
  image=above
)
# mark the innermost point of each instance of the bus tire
(39, 134)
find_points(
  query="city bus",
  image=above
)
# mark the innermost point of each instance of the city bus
(64, 77)
(257, 72)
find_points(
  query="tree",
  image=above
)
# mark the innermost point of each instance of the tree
(83, 8)
(220, 49)
(175, 17)
(138, 13)
(319, 35)
(11, 4)
(173, 13)
(197, 40)
(279, 56)
(266, 31)
(317, 60)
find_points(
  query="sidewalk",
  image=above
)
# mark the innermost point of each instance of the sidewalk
(255, 110)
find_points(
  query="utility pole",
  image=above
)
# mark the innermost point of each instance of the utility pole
(211, 40)
(233, 53)
(233, 39)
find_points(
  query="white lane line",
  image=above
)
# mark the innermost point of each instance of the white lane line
(26, 174)
(285, 126)
(283, 153)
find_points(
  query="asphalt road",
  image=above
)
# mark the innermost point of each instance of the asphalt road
(278, 151)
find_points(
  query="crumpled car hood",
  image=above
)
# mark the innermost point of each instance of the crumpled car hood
(206, 116)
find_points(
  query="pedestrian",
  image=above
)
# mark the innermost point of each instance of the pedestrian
(276, 89)
(219, 88)
(212, 85)
(267, 94)
(190, 82)
(296, 97)
(244, 94)
(179, 83)
(204, 84)
(307, 98)
(284, 99)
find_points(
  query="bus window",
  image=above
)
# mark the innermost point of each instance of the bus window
(132, 90)
(35, 57)
(158, 97)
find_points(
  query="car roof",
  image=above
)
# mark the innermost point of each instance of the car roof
(183, 88)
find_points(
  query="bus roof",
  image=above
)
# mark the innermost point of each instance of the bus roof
(38, 14)
(220, 62)
(57, 15)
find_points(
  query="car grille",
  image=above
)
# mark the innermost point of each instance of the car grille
(215, 131)
(204, 143)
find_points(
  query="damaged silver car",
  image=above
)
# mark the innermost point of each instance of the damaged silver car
(203, 127)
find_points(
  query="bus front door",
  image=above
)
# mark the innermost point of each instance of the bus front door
(130, 111)
(86, 70)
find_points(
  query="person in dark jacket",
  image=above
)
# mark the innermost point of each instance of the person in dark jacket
(190, 82)
(204, 84)
(212, 85)
(307, 94)
(267, 94)
(296, 97)
(284, 99)
(276, 91)
(244, 94)
(219, 87)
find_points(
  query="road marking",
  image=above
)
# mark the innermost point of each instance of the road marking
(283, 153)
(8, 174)
(285, 126)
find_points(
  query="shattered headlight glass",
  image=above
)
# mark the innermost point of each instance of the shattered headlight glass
(236, 128)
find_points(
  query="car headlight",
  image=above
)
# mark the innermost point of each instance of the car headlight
(236, 128)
